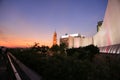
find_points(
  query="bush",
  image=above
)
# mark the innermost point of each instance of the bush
(87, 52)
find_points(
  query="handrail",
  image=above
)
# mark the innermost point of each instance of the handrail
(32, 74)
(14, 69)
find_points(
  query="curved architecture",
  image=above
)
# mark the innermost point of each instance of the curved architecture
(110, 29)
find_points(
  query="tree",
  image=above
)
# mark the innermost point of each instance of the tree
(63, 48)
(55, 48)
(87, 52)
(90, 51)
(44, 49)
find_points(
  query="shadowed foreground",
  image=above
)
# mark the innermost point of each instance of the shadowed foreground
(83, 64)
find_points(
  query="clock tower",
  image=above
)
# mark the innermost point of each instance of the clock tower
(55, 38)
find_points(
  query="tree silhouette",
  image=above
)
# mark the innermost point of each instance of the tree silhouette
(55, 48)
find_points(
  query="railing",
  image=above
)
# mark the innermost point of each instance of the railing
(30, 73)
(14, 69)
(114, 49)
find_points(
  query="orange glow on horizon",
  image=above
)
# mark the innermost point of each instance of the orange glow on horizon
(23, 43)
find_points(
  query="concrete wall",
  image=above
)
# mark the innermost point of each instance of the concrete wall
(70, 42)
(110, 30)
(75, 42)
(86, 41)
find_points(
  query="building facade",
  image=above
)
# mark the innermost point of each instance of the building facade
(75, 40)
(108, 39)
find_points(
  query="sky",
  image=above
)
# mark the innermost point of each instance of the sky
(24, 22)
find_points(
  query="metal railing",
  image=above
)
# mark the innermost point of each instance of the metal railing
(14, 69)
(30, 73)
(114, 49)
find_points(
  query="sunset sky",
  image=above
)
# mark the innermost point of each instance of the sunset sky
(23, 22)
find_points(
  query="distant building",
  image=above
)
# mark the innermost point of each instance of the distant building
(75, 40)
(55, 38)
(68, 39)
(64, 39)
(99, 26)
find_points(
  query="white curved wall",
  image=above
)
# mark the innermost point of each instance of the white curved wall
(110, 30)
